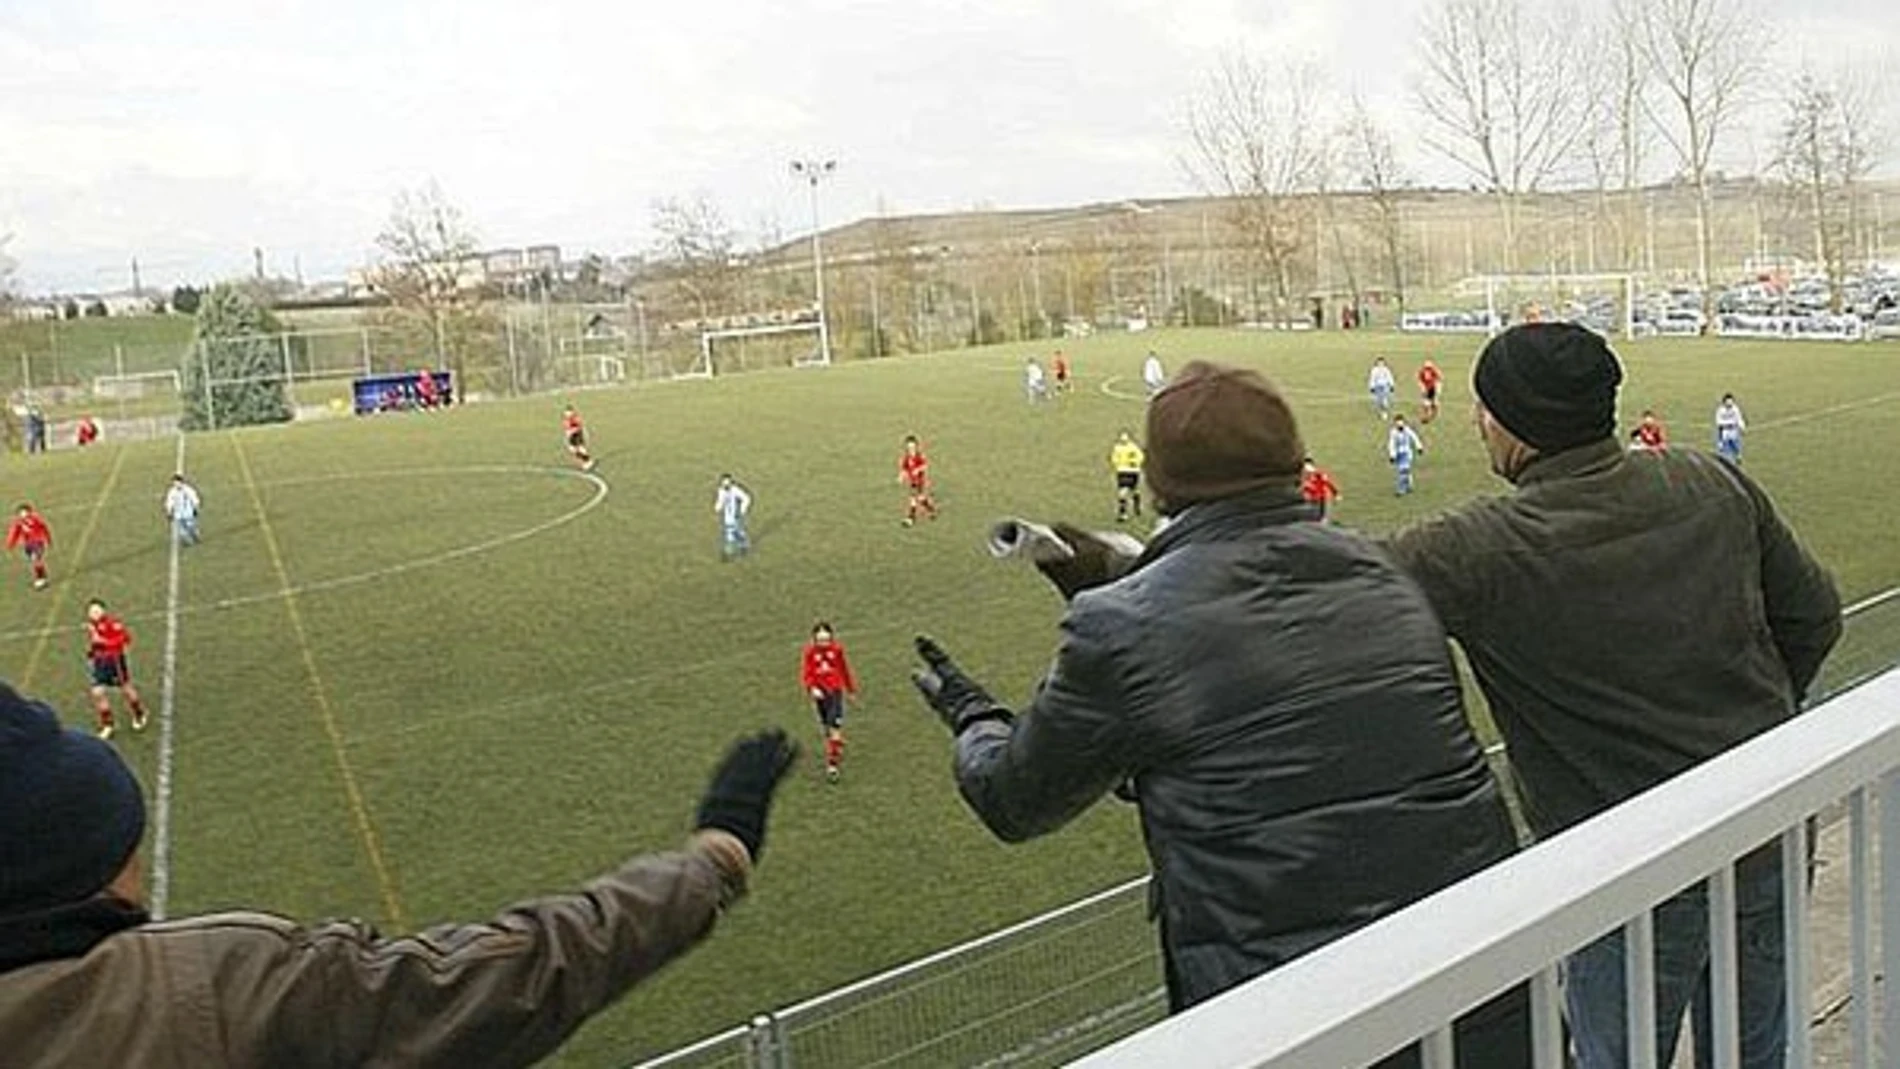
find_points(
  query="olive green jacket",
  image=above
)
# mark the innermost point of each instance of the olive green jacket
(250, 989)
(1627, 615)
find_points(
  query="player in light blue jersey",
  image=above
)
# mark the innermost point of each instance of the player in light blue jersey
(731, 505)
(1381, 385)
(1402, 447)
(1729, 426)
(182, 505)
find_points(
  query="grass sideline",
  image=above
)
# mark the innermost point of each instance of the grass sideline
(520, 712)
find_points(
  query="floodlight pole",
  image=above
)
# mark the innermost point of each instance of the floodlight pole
(814, 171)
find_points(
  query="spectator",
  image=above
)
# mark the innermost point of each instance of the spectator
(1275, 696)
(86, 980)
(35, 430)
(1628, 615)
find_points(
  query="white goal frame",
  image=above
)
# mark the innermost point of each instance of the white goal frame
(705, 368)
(106, 387)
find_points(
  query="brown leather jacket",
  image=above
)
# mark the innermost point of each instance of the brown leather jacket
(249, 989)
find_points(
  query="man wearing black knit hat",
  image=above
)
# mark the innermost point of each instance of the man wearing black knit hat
(87, 979)
(1628, 615)
(1274, 696)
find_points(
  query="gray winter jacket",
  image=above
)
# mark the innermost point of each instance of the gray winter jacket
(1285, 704)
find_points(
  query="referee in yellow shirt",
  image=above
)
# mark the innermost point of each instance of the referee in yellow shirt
(1126, 458)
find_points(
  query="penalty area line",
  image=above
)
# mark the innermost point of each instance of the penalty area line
(326, 713)
(167, 703)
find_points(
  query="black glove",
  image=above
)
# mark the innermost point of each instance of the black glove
(740, 794)
(957, 699)
(1097, 562)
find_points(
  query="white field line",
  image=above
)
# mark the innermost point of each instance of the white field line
(446, 556)
(167, 703)
(1304, 397)
(1823, 413)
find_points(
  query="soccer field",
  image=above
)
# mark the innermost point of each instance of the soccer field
(424, 668)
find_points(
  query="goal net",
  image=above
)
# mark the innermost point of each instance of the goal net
(740, 349)
(1608, 303)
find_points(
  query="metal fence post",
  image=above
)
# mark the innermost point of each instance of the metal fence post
(211, 397)
(765, 1044)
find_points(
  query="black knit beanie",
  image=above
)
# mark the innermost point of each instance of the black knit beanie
(1553, 385)
(71, 813)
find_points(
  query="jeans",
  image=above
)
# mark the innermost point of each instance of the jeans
(1593, 988)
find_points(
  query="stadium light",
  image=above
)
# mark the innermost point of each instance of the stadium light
(813, 172)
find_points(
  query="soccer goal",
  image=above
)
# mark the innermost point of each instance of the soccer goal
(591, 369)
(738, 349)
(1606, 302)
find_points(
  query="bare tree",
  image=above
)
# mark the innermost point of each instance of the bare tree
(696, 247)
(1616, 133)
(1498, 92)
(1703, 56)
(1372, 164)
(1826, 144)
(1254, 139)
(430, 271)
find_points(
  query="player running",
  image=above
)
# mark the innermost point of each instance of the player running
(1381, 385)
(1729, 426)
(1317, 487)
(30, 534)
(1035, 382)
(731, 505)
(1060, 366)
(1429, 380)
(1153, 375)
(181, 507)
(1402, 448)
(576, 434)
(1127, 459)
(913, 471)
(107, 639)
(826, 674)
(1650, 433)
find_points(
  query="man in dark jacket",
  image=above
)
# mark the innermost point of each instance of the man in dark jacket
(1278, 695)
(1628, 615)
(86, 979)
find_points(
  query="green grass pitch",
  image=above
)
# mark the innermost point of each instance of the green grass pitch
(425, 670)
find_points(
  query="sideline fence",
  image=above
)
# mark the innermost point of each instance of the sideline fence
(1072, 980)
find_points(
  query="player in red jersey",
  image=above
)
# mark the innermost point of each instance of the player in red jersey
(1429, 380)
(1061, 368)
(31, 536)
(576, 435)
(1650, 433)
(1318, 487)
(826, 674)
(87, 432)
(913, 470)
(426, 393)
(107, 639)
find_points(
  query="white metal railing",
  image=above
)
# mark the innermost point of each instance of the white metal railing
(1403, 979)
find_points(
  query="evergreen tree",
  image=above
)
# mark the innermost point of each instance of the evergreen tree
(238, 345)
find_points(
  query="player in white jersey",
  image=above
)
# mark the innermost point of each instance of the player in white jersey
(1381, 384)
(1402, 448)
(1729, 426)
(1153, 375)
(182, 505)
(731, 505)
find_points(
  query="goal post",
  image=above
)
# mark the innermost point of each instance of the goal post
(1604, 301)
(736, 349)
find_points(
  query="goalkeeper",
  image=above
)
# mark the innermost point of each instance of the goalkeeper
(1273, 694)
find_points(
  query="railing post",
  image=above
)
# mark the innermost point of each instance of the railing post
(1794, 940)
(1860, 831)
(1639, 989)
(1547, 1022)
(1439, 1050)
(765, 1044)
(1724, 970)
(1890, 914)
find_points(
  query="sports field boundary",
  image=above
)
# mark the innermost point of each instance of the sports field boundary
(393, 913)
(167, 705)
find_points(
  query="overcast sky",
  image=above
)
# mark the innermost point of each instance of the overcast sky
(187, 134)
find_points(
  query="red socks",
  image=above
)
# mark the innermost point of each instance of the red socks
(834, 751)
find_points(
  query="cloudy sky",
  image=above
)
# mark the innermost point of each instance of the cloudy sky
(185, 135)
